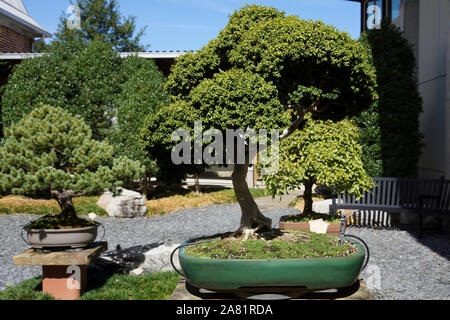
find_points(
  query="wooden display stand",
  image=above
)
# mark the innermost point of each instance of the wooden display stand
(64, 273)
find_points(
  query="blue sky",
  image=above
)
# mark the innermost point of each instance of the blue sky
(190, 24)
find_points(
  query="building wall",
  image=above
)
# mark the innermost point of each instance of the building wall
(426, 25)
(432, 80)
(11, 41)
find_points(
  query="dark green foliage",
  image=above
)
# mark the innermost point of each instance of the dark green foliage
(83, 79)
(112, 94)
(141, 95)
(49, 149)
(390, 130)
(102, 21)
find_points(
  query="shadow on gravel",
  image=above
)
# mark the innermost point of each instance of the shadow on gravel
(119, 261)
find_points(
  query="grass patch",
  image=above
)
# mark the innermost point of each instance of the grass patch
(165, 203)
(290, 245)
(193, 200)
(24, 205)
(27, 290)
(152, 286)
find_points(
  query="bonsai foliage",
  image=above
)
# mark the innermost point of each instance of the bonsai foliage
(390, 135)
(323, 153)
(101, 20)
(265, 70)
(50, 151)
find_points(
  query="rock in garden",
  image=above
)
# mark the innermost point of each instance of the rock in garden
(138, 260)
(127, 204)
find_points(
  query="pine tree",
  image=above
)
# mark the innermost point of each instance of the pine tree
(50, 151)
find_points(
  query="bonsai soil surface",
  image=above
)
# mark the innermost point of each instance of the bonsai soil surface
(279, 245)
(54, 222)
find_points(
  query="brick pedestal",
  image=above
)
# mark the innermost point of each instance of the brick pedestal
(64, 273)
(64, 282)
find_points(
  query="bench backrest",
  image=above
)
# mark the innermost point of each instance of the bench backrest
(403, 193)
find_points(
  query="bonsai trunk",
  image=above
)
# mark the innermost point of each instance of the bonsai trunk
(307, 197)
(252, 220)
(64, 199)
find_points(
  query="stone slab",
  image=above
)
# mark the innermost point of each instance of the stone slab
(359, 291)
(33, 257)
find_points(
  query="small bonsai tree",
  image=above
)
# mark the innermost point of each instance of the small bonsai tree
(323, 153)
(50, 151)
(265, 70)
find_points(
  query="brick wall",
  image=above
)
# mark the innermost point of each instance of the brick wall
(11, 41)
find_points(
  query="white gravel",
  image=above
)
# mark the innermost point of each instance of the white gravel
(400, 267)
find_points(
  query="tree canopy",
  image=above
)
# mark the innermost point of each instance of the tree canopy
(101, 20)
(323, 153)
(265, 70)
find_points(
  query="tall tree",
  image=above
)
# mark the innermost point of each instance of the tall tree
(265, 70)
(101, 20)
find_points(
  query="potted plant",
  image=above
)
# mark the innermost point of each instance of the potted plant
(325, 153)
(50, 152)
(265, 71)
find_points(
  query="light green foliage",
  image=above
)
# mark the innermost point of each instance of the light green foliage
(324, 153)
(102, 21)
(49, 149)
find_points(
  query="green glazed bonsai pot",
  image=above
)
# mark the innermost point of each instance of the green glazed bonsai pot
(312, 274)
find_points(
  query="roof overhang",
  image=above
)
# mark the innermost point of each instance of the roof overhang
(145, 55)
(17, 20)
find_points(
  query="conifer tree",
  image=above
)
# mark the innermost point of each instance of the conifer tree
(50, 151)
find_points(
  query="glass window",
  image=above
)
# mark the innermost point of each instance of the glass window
(373, 11)
(395, 9)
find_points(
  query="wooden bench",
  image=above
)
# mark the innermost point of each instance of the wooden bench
(417, 196)
(64, 273)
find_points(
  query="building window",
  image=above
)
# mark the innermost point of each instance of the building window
(395, 9)
(373, 11)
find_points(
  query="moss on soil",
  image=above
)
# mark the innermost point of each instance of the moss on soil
(287, 245)
(56, 223)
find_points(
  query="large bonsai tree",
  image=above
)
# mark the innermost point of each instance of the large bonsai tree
(265, 70)
(50, 151)
(323, 153)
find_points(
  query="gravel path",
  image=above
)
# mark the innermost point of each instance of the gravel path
(400, 267)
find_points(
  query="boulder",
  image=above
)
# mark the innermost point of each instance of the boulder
(138, 260)
(158, 260)
(127, 204)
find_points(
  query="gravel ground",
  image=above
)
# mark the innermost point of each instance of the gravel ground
(400, 266)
